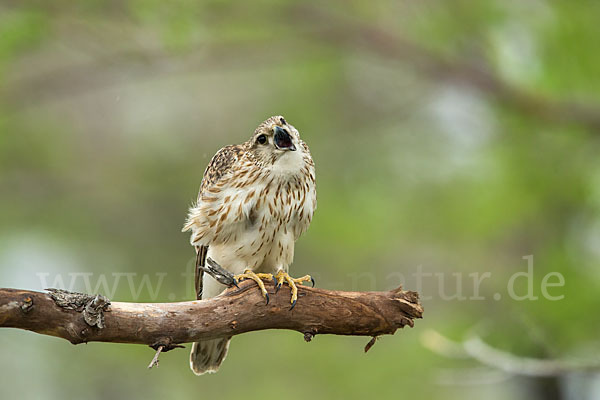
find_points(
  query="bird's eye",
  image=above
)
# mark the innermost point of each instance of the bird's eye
(262, 139)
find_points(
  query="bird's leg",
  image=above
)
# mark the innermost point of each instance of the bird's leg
(248, 274)
(222, 276)
(283, 276)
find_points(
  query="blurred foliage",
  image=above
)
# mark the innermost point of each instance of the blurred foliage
(452, 137)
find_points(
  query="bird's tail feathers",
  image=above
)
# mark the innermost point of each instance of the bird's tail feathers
(207, 356)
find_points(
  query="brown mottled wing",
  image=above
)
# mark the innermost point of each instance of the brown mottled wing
(201, 252)
(219, 165)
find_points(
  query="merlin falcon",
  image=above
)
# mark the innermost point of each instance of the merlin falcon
(255, 200)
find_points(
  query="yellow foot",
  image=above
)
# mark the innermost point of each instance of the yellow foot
(248, 274)
(283, 276)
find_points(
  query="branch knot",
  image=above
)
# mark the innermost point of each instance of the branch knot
(91, 306)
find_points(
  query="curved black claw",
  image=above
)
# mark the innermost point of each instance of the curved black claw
(312, 280)
(277, 286)
(235, 283)
(293, 305)
(267, 297)
(275, 283)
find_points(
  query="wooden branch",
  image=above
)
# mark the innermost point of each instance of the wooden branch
(81, 318)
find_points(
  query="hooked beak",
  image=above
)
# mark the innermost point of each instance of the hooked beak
(283, 140)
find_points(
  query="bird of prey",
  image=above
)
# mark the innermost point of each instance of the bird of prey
(255, 200)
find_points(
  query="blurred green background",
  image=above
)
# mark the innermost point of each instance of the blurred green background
(450, 138)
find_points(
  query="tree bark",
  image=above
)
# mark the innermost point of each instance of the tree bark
(83, 318)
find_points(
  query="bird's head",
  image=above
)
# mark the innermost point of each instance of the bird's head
(275, 141)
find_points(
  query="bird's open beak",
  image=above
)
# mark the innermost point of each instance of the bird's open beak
(283, 140)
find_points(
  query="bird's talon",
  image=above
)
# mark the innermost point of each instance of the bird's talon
(312, 280)
(283, 276)
(249, 274)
